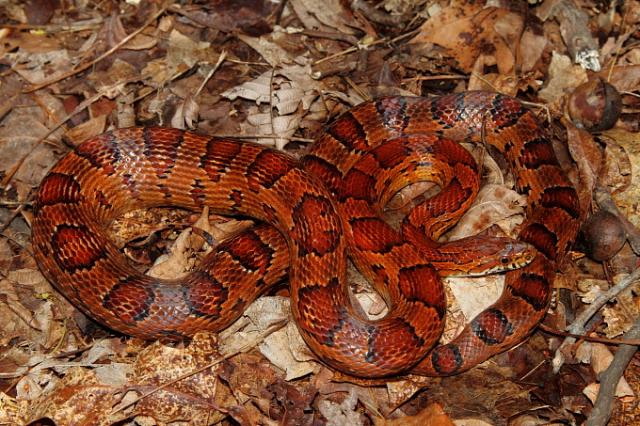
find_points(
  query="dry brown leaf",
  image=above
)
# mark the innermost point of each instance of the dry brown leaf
(111, 81)
(465, 30)
(343, 413)
(616, 172)
(564, 76)
(182, 54)
(114, 32)
(621, 316)
(290, 90)
(495, 205)
(588, 157)
(250, 16)
(180, 258)
(86, 130)
(431, 415)
(186, 114)
(600, 357)
(76, 399)
(275, 55)
(183, 50)
(623, 78)
(37, 67)
(192, 397)
(317, 15)
(532, 46)
(402, 391)
(266, 324)
(89, 394)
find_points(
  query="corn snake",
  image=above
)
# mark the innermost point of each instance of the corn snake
(307, 201)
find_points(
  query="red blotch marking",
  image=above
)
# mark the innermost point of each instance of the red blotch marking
(391, 153)
(373, 234)
(130, 298)
(316, 227)
(541, 238)
(317, 305)
(205, 295)
(75, 248)
(349, 132)
(446, 359)
(534, 289)
(492, 326)
(249, 250)
(358, 185)
(419, 283)
(537, 153)
(220, 154)
(324, 170)
(59, 188)
(268, 167)
(563, 197)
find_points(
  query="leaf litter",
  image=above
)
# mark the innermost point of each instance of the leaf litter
(276, 73)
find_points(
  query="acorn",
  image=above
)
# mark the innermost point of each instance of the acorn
(595, 105)
(603, 235)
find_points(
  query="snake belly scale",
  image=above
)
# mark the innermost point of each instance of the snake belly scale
(312, 208)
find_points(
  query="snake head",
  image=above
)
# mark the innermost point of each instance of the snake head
(483, 255)
(503, 255)
(517, 254)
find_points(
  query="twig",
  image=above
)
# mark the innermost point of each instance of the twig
(616, 53)
(84, 104)
(355, 48)
(436, 77)
(14, 169)
(271, 106)
(54, 28)
(610, 377)
(331, 36)
(103, 56)
(221, 58)
(577, 327)
(588, 338)
(212, 364)
(169, 383)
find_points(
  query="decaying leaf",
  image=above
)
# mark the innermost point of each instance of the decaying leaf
(278, 72)
(288, 94)
(320, 15)
(465, 30)
(564, 76)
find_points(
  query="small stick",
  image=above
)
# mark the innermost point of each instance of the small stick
(577, 327)
(101, 57)
(610, 377)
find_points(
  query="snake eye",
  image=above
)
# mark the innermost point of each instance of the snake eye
(504, 260)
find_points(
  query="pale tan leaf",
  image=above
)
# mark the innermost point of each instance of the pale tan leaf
(270, 51)
(564, 76)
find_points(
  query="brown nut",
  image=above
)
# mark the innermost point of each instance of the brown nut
(595, 105)
(603, 236)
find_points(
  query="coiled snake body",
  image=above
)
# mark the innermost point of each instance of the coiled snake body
(333, 195)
